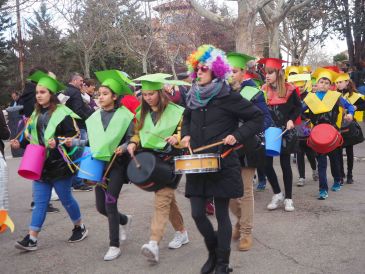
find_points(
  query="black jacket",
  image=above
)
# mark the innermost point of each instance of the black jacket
(27, 99)
(4, 131)
(211, 124)
(77, 105)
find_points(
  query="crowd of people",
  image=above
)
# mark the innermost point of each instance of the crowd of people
(225, 107)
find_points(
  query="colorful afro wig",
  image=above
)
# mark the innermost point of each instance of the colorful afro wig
(211, 57)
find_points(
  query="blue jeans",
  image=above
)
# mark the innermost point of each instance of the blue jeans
(42, 195)
(76, 181)
(322, 168)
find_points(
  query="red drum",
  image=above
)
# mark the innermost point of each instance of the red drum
(324, 138)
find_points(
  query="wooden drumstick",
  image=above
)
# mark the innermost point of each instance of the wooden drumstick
(277, 138)
(190, 150)
(109, 166)
(208, 146)
(138, 165)
(229, 151)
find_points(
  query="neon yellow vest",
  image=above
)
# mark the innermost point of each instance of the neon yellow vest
(165, 127)
(56, 118)
(249, 92)
(318, 106)
(104, 142)
(359, 115)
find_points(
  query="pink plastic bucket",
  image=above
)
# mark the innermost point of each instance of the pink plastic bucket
(32, 162)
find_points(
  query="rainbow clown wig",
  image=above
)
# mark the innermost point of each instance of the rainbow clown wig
(211, 57)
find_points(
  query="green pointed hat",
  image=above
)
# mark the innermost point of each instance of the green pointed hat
(238, 60)
(154, 81)
(44, 80)
(116, 80)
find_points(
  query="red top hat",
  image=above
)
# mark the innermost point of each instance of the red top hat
(274, 63)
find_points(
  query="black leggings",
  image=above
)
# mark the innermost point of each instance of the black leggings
(205, 227)
(287, 174)
(350, 161)
(311, 155)
(107, 203)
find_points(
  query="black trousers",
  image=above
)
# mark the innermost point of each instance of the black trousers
(350, 161)
(287, 175)
(311, 155)
(205, 227)
(107, 202)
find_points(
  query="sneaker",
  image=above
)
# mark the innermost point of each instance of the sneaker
(341, 181)
(336, 187)
(209, 208)
(32, 205)
(349, 180)
(54, 196)
(52, 209)
(82, 188)
(301, 182)
(123, 229)
(113, 253)
(315, 175)
(261, 186)
(78, 234)
(26, 244)
(180, 238)
(150, 251)
(288, 205)
(323, 195)
(275, 201)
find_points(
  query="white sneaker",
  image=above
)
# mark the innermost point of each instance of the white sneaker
(301, 182)
(124, 229)
(275, 201)
(54, 196)
(150, 251)
(179, 240)
(288, 205)
(113, 253)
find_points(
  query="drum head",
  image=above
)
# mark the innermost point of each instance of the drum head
(142, 174)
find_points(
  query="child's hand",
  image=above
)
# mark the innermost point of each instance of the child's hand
(171, 140)
(119, 151)
(348, 117)
(14, 144)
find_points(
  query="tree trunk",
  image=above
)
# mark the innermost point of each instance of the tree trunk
(274, 40)
(244, 30)
(144, 64)
(86, 64)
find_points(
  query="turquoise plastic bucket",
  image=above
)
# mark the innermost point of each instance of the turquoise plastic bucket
(90, 168)
(273, 141)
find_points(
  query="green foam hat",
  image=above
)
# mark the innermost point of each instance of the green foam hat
(116, 80)
(44, 80)
(154, 81)
(238, 60)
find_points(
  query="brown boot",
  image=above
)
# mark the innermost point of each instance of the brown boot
(245, 243)
(236, 234)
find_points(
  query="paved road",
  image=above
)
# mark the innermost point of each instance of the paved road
(319, 237)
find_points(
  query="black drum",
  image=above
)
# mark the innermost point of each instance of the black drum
(154, 174)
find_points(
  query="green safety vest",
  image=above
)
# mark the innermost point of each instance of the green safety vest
(249, 92)
(56, 118)
(104, 142)
(165, 127)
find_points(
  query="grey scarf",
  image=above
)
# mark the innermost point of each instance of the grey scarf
(199, 96)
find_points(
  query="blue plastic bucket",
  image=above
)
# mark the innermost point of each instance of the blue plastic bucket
(90, 168)
(273, 141)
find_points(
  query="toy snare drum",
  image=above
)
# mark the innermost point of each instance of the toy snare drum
(197, 163)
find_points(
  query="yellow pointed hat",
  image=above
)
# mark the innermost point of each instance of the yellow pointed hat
(320, 73)
(342, 77)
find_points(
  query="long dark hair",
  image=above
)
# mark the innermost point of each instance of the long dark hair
(52, 105)
(351, 88)
(163, 101)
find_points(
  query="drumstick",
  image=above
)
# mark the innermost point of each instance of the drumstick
(208, 146)
(229, 151)
(138, 165)
(109, 166)
(190, 150)
(277, 138)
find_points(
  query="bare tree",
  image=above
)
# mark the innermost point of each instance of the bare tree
(273, 15)
(243, 25)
